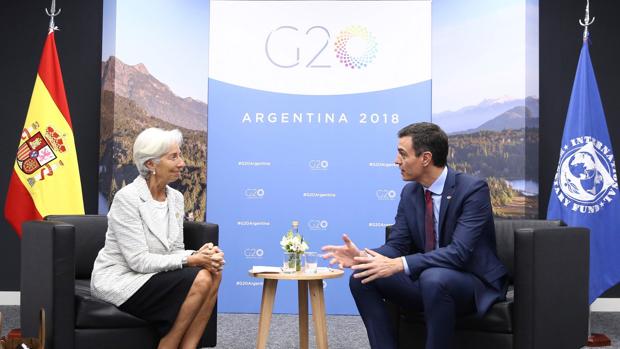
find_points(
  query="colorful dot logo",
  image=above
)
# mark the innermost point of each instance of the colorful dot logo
(355, 47)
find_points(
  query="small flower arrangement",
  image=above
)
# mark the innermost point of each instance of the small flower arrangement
(294, 246)
(293, 243)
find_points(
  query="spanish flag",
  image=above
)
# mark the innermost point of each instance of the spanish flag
(46, 177)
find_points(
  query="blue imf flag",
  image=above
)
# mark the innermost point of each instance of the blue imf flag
(585, 188)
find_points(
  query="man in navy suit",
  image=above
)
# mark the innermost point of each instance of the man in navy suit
(440, 257)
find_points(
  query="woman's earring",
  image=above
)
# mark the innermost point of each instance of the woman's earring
(153, 172)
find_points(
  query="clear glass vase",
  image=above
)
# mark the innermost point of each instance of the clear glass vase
(292, 262)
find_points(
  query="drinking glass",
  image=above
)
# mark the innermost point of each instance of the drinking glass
(311, 260)
(290, 262)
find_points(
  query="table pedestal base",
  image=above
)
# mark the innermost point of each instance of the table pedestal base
(315, 287)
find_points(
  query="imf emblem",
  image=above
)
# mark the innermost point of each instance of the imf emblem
(586, 178)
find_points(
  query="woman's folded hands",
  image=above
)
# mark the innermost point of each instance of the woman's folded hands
(209, 257)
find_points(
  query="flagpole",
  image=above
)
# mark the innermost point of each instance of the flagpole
(586, 21)
(52, 13)
(594, 339)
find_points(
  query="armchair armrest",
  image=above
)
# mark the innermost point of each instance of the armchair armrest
(196, 234)
(551, 287)
(48, 281)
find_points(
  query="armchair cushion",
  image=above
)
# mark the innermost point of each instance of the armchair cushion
(91, 312)
(497, 319)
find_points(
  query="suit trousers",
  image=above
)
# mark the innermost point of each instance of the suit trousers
(441, 293)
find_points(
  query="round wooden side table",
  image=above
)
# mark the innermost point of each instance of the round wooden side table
(305, 283)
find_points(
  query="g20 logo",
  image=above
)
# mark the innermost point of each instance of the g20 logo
(253, 253)
(385, 194)
(318, 224)
(254, 193)
(318, 165)
(355, 47)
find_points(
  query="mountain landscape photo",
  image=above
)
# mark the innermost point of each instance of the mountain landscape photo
(498, 140)
(132, 100)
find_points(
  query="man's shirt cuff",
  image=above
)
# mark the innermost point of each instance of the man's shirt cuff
(405, 265)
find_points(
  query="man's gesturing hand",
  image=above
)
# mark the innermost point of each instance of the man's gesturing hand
(375, 265)
(343, 255)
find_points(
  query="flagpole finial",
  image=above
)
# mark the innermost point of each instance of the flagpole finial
(52, 13)
(586, 21)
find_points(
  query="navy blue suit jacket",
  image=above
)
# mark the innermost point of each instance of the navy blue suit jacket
(466, 235)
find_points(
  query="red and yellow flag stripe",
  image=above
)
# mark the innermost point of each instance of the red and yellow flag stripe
(46, 177)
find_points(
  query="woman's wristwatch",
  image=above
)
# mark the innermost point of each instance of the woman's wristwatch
(184, 260)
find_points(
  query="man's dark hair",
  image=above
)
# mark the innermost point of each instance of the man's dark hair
(426, 136)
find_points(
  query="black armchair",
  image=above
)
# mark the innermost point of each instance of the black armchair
(57, 260)
(547, 301)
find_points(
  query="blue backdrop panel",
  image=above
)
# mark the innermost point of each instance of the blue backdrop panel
(282, 151)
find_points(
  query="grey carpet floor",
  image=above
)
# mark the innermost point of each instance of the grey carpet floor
(238, 331)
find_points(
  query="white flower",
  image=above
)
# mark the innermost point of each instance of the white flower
(293, 243)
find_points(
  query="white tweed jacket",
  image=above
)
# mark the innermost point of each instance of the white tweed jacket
(135, 248)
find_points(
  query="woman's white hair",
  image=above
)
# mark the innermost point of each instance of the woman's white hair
(152, 144)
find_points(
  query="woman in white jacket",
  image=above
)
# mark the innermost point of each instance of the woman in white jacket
(144, 268)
